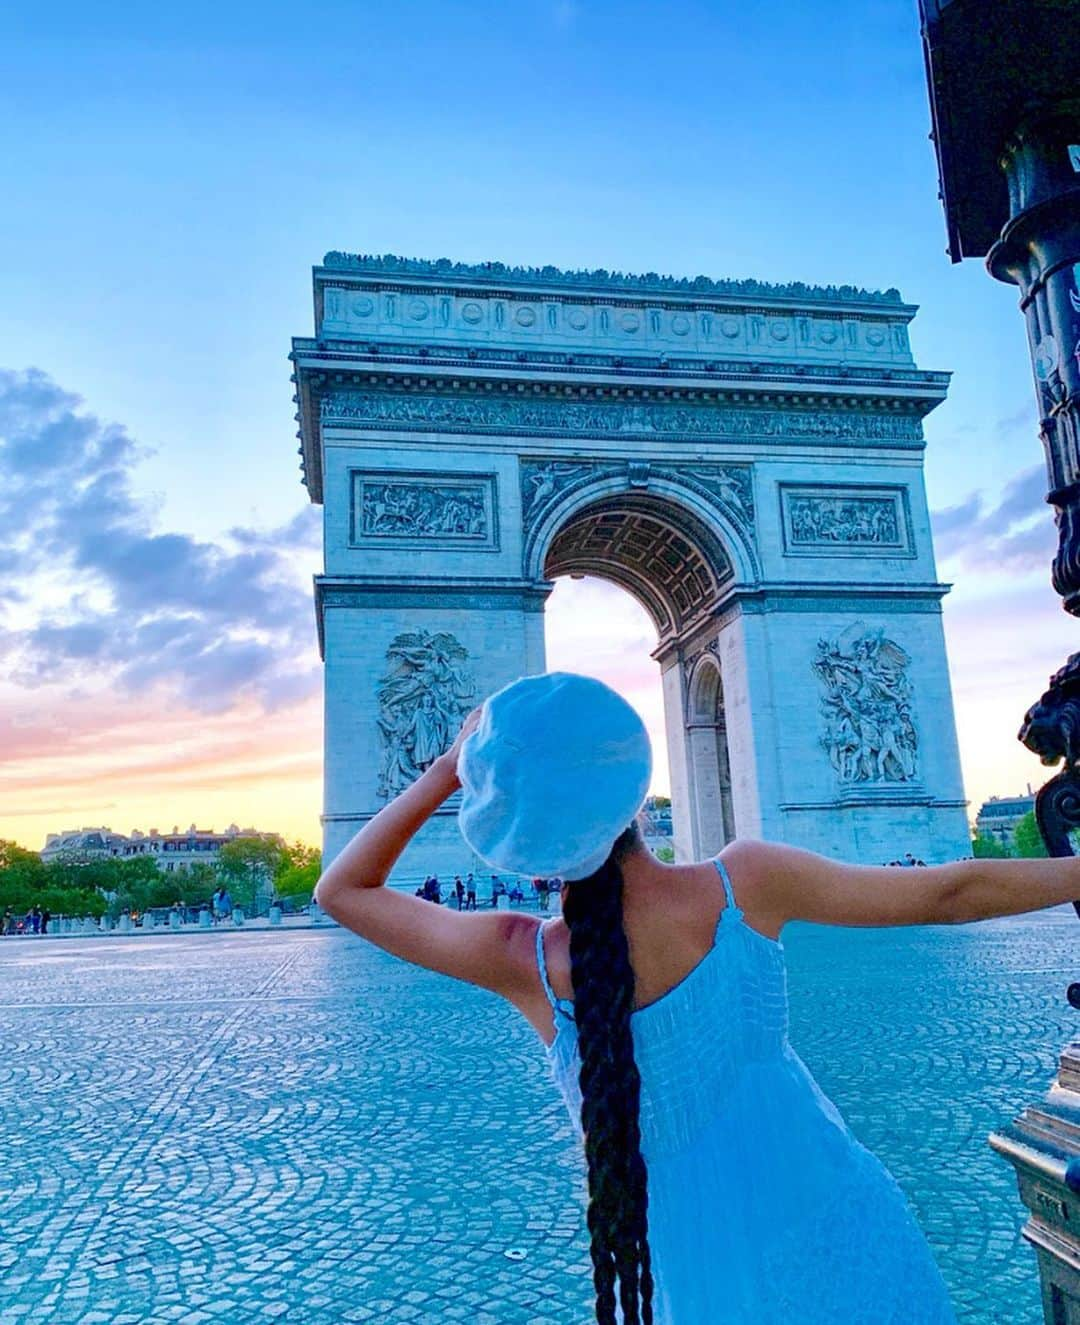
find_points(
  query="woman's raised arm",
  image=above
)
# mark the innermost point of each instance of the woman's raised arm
(493, 949)
(793, 884)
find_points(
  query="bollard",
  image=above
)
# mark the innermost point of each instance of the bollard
(124, 924)
(149, 920)
(503, 903)
(315, 913)
(89, 925)
(237, 916)
(205, 919)
(275, 915)
(174, 920)
(104, 925)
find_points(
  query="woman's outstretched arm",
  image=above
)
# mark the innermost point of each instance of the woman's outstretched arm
(492, 949)
(793, 884)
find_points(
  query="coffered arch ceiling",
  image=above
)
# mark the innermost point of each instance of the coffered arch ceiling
(666, 558)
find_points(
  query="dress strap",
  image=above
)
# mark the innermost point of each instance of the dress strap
(732, 908)
(563, 1005)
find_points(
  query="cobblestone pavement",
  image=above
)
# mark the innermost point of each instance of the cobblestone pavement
(246, 1127)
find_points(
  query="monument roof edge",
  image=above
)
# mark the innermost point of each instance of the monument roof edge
(499, 273)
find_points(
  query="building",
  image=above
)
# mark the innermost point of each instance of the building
(745, 459)
(170, 851)
(998, 817)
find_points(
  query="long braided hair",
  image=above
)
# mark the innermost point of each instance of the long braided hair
(603, 982)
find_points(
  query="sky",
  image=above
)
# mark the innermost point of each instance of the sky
(172, 175)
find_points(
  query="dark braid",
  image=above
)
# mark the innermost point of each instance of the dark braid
(603, 983)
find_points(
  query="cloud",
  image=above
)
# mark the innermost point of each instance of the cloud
(122, 601)
(1015, 535)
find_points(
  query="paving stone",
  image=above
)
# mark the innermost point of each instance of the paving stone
(295, 1126)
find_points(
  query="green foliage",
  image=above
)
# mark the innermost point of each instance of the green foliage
(1027, 840)
(298, 871)
(985, 846)
(248, 866)
(662, 802)
(26, 881)
(666, 855)
(197, 884)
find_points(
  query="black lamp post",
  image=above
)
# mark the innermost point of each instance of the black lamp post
(1004, 78)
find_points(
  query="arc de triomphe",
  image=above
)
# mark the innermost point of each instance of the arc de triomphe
(745, 459)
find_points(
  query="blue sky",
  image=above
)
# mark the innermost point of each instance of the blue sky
(173, 175)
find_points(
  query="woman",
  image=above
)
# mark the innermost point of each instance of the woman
(723, 1185)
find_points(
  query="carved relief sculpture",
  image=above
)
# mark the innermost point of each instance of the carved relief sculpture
(411, 507)
(477, 414)
(416, 510)
(423, 696)
(843, 520)
(869, 735)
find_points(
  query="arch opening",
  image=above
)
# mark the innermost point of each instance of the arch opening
(666, 557)
(678, 570)
(709, 758)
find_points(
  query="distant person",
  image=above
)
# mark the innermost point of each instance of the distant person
(8, 926)
(470, 892)
(46, 916)
(543, 893)
(497, 890)
(459, 892)
(221, 904)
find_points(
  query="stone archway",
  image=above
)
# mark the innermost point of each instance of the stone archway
(676, 566)
(744, 458)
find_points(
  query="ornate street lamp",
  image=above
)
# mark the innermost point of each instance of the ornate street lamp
(1004, 78)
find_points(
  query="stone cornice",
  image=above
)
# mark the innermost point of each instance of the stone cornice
(630, 367)
(605, 282)
(432, 594)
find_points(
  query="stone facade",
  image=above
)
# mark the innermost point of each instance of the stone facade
(745, 459)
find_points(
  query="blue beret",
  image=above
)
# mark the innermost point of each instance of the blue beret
(557, 768)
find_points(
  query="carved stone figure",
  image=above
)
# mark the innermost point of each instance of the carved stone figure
(423, 697)
(869, 730)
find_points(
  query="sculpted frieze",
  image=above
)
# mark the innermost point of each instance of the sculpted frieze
(423, 696)
(870, 734)
(475, 413)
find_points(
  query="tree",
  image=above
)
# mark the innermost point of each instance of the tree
(298, 871)
(197, 884)
(1027, 840)
(248, 866)
(987, 847)
(666, 855)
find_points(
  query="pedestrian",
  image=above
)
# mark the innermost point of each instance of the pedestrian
(496, 890)
(459, 892)
(543, 893)
(221, 904)
(46, 916)
(659, 993)
(470, 892)
(8, 926)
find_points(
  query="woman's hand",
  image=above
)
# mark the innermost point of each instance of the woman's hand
(467, 728)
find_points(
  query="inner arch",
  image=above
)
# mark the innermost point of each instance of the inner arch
(667, 558)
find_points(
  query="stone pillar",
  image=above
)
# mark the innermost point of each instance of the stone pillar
(1043, 1146)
